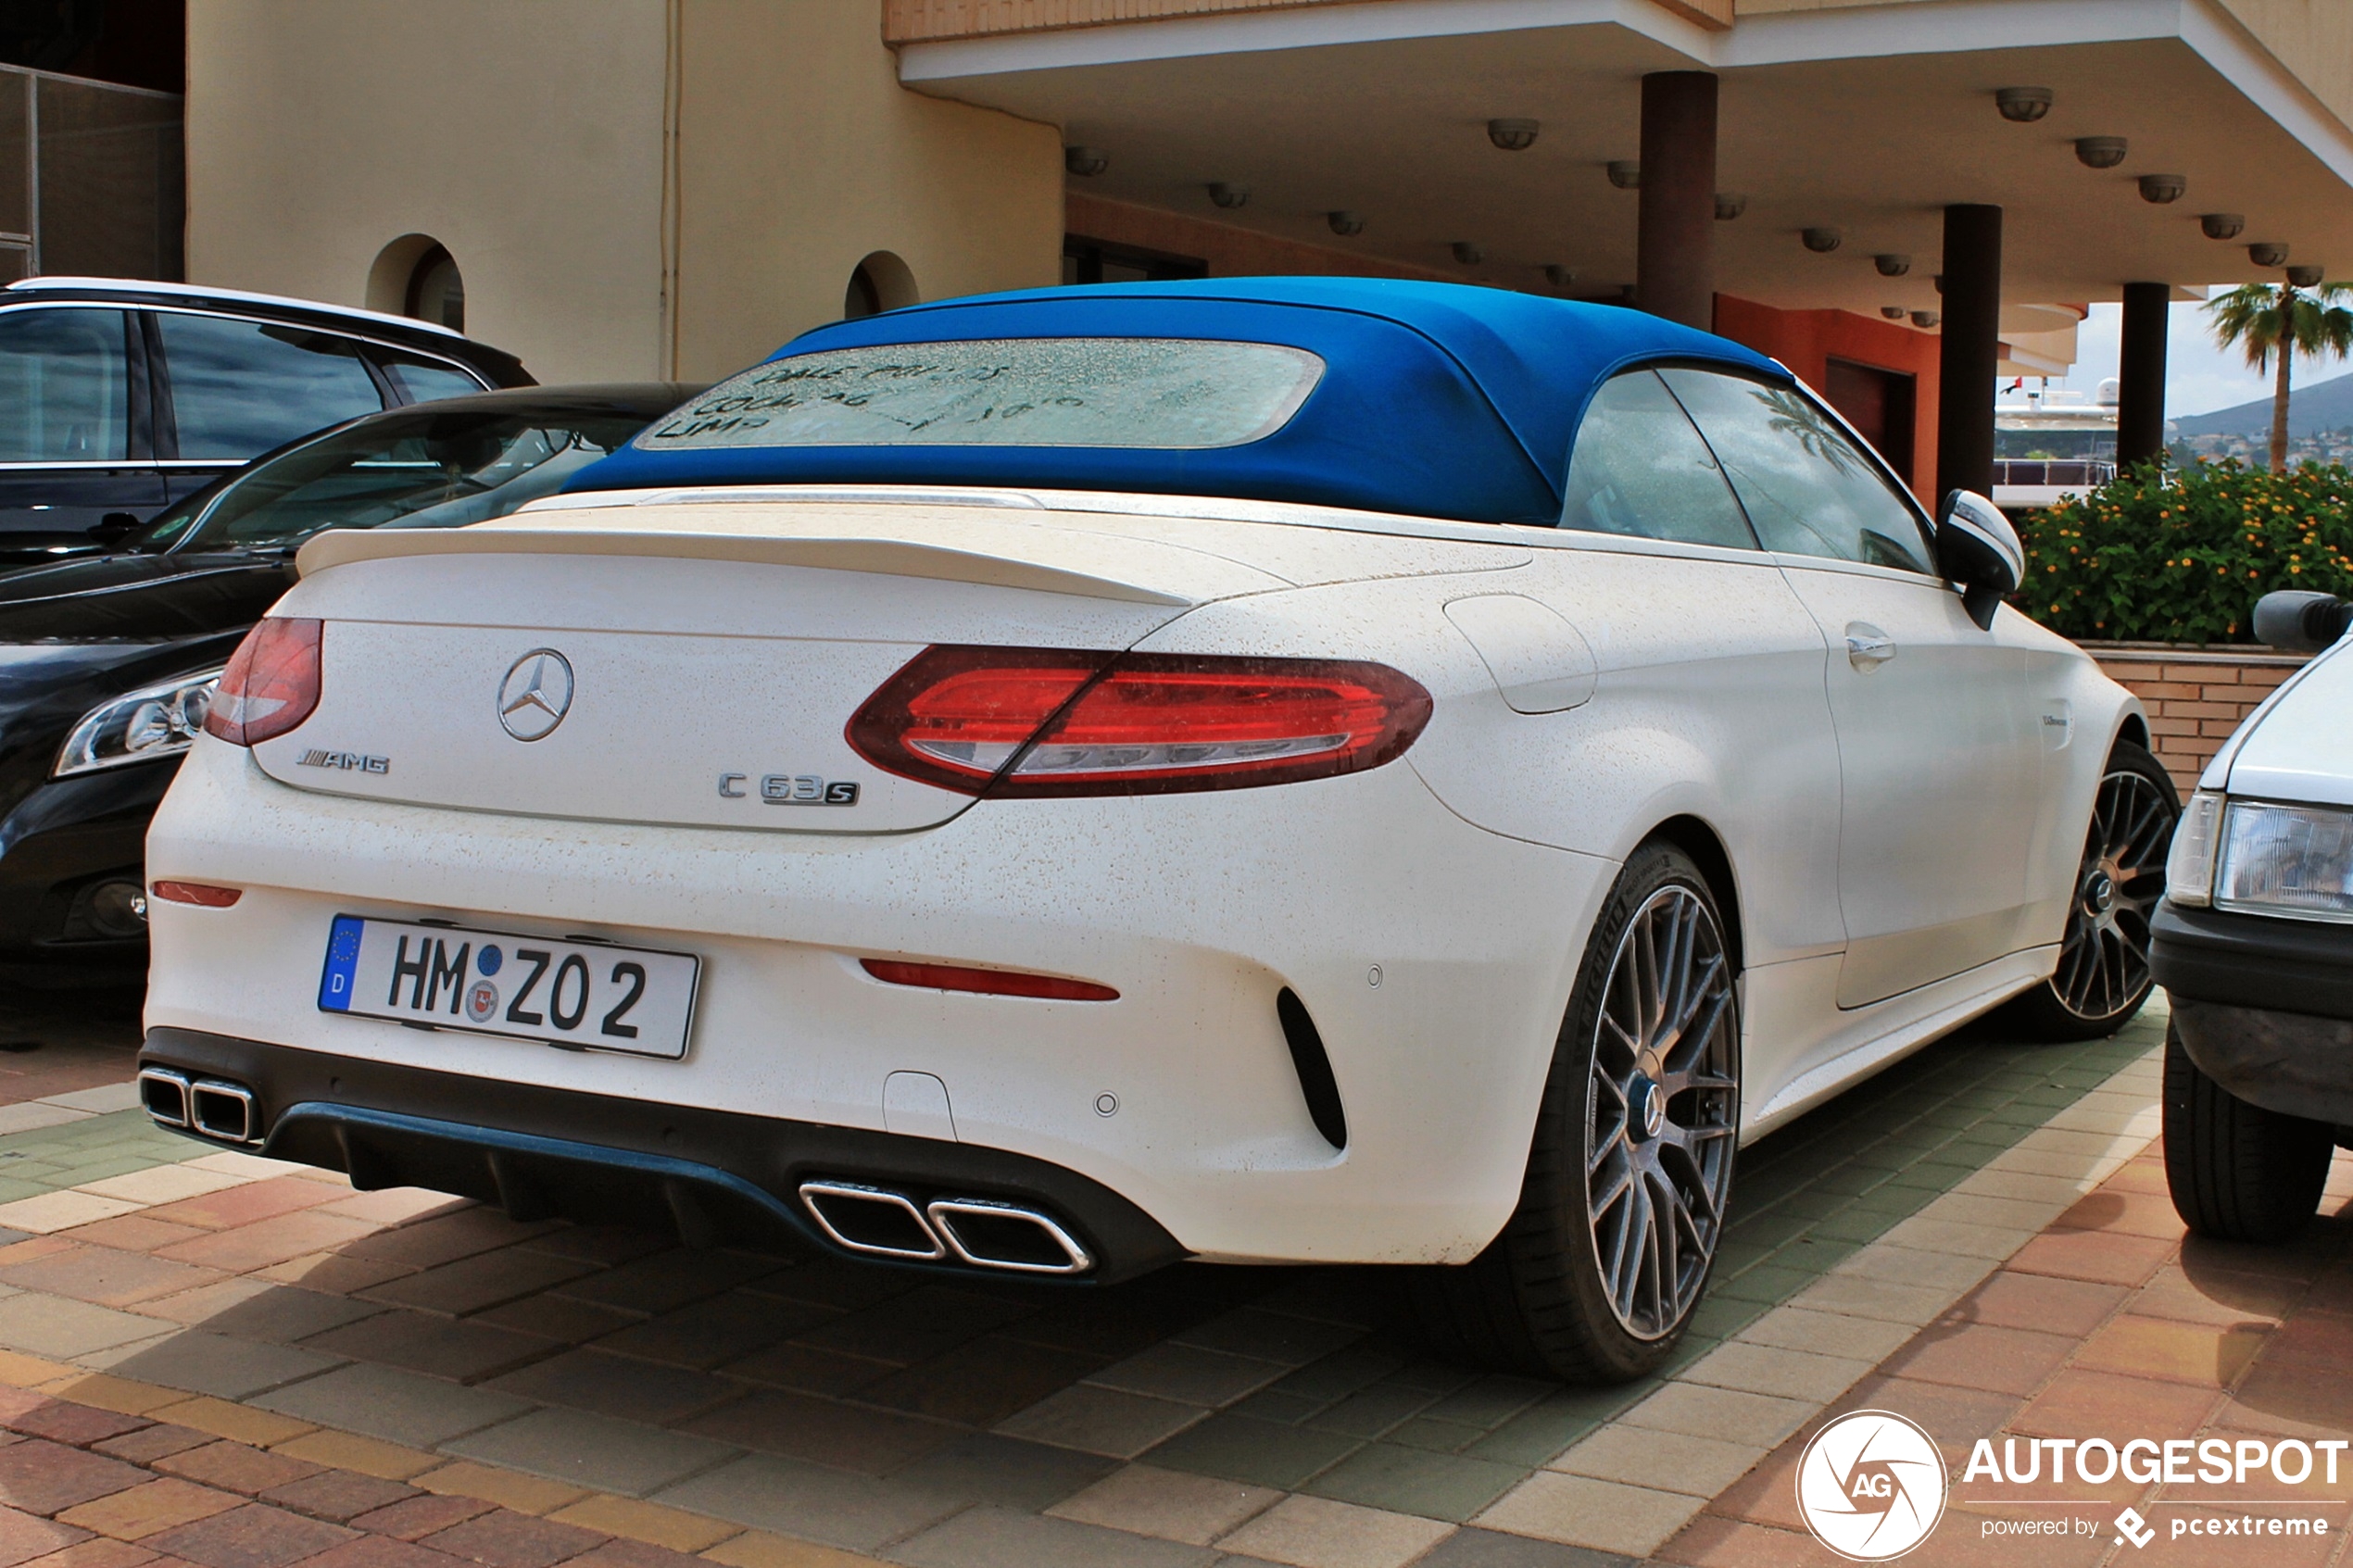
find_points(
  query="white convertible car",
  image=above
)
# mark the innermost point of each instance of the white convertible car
(1052, 783)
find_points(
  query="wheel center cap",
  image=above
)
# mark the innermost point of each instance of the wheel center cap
(2100, 893)
(1646, 1109)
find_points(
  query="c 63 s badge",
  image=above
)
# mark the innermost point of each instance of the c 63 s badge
(790, 789)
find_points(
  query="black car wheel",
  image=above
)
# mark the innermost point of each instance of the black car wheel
(1597, 1274)
(2102, 974)
(2237, 1171)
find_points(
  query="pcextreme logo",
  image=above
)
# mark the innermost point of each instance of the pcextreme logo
(1870, 1485)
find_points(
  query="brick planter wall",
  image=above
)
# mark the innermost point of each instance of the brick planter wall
(2195, 696)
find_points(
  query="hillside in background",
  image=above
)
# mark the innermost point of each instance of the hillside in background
(2322, 406)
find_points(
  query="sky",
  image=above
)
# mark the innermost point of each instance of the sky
(2199, 378)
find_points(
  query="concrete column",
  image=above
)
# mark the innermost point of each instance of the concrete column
(2140, 411)
(1972, 345)
(1675, 242)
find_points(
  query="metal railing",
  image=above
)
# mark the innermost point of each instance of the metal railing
(92, 177)
(2068, 475)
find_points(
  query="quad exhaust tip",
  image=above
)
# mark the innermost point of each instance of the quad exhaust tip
(985, 1233)
(212, 1107)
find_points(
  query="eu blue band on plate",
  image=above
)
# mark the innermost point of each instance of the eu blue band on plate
(343, 962)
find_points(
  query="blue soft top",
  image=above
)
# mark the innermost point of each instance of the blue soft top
(1438, 400)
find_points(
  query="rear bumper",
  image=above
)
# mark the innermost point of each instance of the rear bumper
(717, 1177)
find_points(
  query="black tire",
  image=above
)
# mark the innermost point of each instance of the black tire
(1540, 1300)
(2102, 976)
(2237, 1171)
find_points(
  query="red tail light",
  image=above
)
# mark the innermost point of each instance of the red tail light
(1042, 722)
(987, 981)
(271, 684)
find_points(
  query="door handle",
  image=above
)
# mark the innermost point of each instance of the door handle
(1868, 647)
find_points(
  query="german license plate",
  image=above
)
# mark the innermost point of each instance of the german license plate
(581, 996)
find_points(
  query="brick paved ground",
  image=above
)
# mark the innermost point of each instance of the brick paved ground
(761, 1410)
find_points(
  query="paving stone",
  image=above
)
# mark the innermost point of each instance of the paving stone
(240, 1423)
(1579, 1510)
(60, 1210)
(339, 1495)
(1472, 1547)
(914, 1327)
(377, 1551)
(995, 1537)
(31, 1114)
(761, 1549)
(769, 1493)
(277, 1315)
(146, 1444)
(40, 1477)
(635, 1554)
(988, 1467)
(810, 1371)
(1726, 1413)
(610, 1245)
(980, 1382)
(592, 1451)
(1667, 1462)
(1270, 1337)
(508, 1488)
(64, 1422)
(1260, 1453)
(558, 1318)
(487, 1279)
(53, 1327)
(97, 1101)
(1319, 1533)
(105, 1275)
(503, 1538)
(615, 1385)
(648, 1523)
(2007, 1360)
(1189, 1374)
(704, 1335)
(161, 1184)
(395, 1206)
(1371, 1412)
(795, 1425)
(665, 1280)
(420, 1515)
(243, 1204)
(1406, 1480)
(215, 1363)
(251, 1535)
(399, 1407)
(386, 1460)
(130, 1233)
(1170, 1504)
(268, 1242)
(236, 1467)
(1766, 1369)
(26, 1539)
(141, 1510)
(1102, 1421)
(95, 1552)
(423, 1342)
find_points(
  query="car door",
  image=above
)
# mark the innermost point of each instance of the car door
(1939, 751)
(233, 388)
(74, 446)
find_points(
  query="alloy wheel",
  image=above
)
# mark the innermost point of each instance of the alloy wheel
(2104, 958)
(1661, 1109)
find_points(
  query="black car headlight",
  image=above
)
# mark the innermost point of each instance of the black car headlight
(157, 721)
(2287, 860)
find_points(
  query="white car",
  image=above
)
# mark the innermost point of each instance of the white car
(1270, 770)
(2253, 946)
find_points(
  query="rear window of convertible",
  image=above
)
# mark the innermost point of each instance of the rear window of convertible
(1170, 393)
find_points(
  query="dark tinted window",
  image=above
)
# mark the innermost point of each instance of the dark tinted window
(422, 379)
(64, 386)
(413, 469)
(1808, 489)
(239, 388)
(1640, 468)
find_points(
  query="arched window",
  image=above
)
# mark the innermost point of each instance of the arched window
(435, 291)
(878, 283)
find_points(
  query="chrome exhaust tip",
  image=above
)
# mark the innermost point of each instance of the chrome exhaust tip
(875, 1221)
(989, 1235)
(165, 1094)
(222, 1110)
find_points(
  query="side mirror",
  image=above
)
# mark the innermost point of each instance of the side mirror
(113, 528)
(2300, 620)
(1977, 549)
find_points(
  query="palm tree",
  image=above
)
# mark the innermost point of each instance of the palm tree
(2265, 319)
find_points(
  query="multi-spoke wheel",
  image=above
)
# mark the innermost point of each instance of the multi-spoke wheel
(1659, 1108)
(1598, 1272)
(2102, 974)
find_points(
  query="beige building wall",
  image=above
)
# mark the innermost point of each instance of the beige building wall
(631, 188)
(800, 154)
(526, 135)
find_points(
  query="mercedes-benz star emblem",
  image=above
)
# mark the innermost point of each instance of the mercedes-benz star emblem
(536, 695)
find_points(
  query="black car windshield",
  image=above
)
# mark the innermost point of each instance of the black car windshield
(415, 468)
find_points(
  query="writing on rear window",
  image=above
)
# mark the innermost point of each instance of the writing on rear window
(1172, 394)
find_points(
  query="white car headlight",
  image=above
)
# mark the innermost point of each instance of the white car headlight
(2189, 870)
(157, 721)
(2292, 860)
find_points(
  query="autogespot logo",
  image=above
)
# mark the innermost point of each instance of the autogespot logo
(1870, 1485)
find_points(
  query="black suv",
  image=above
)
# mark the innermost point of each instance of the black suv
(107, 661)
(118, 397)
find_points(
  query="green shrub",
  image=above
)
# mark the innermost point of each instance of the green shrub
(2179, 555)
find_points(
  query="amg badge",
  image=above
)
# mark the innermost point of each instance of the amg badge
(347, 761)
(790, 789)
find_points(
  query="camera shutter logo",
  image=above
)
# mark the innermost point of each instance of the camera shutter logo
(536, 695)
(1870, 1485)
